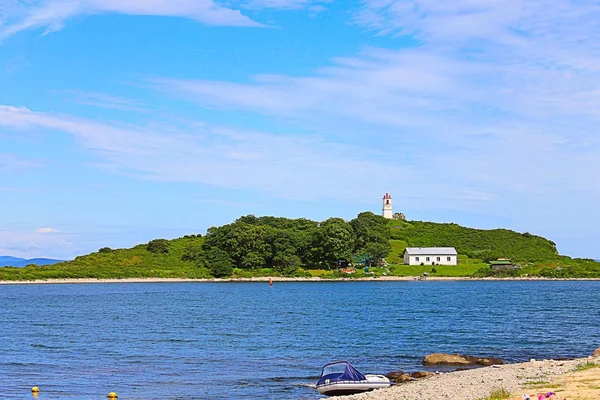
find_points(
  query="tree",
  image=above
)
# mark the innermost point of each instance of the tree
(372, 236)
(191, 253)
(219, 263)
(335, 241)
(377, 251)
(158, 246)
(105, 250)
(286, 263)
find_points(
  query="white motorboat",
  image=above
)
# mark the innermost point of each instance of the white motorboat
(341, 378)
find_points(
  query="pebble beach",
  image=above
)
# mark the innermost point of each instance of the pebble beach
(533, 378)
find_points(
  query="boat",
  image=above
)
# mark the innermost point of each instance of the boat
(341, 378)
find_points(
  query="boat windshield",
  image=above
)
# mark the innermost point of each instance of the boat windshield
(341, 371)
(337, 368)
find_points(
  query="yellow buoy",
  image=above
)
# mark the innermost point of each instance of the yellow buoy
(35, 389)
(112, 395)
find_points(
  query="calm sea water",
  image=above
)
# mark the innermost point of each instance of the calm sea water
(252, 341)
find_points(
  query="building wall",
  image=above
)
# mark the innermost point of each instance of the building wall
(417, 260)
(387, 212)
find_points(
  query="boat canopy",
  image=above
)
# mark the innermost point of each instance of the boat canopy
(340, 371)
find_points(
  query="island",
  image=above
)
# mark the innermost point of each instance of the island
(369, 246)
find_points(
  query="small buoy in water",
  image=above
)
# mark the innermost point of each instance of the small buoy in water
(112, 395)
(35, 389)
(270, 281)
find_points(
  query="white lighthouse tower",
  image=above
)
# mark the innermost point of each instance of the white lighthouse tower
(387, 207)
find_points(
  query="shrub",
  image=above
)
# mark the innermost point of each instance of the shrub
(221, 268)
(158, 246)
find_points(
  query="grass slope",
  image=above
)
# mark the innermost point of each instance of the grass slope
(475, 243)
(537, 256)
(136, 262)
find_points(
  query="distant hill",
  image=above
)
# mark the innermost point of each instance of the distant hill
(7, 261)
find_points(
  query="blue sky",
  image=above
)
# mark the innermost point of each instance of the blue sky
(122, 121)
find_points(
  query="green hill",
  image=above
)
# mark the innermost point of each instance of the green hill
(260, 246)
(475, 243)
(536, 255)
(175, 260)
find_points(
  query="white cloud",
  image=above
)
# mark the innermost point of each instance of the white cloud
(52, 14)
(27, 244)
(281, 4)
(493, 103)
(47, 230)
(283, 165)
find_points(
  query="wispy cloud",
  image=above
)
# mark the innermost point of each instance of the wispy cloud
(103, 100)
(283, 4)
(15, 163)
(47, 230)
(52, 14)
(284, 165)
(494, 101)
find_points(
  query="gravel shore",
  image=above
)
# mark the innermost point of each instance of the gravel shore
(477, 383)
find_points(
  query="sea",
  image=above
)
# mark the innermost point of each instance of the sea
(255, 341)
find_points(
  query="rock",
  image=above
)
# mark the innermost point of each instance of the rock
(399, 376)
(596, 352)
(422, 374)
(457, 359)
(485, 361)
(445, 359)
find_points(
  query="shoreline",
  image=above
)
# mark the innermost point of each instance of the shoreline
(533, 378)
(279, 279)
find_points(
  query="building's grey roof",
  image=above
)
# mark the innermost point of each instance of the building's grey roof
(431, 251)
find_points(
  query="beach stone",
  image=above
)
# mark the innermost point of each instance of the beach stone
(399, 376)
(485, 361)
(596, 352)
(422, 374)
(458, 359)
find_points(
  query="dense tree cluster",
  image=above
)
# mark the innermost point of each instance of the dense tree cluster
(286, 244)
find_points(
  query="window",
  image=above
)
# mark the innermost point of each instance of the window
(448, 258)
(416, 258)
(437, 259)
(426, 258)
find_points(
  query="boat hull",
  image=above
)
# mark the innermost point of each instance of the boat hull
(353, 387)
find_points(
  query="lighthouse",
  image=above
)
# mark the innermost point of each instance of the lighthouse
(387, 207)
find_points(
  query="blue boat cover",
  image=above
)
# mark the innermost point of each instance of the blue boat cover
(340, 371)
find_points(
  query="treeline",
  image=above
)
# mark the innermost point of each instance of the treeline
(287, 244)
(476, 243)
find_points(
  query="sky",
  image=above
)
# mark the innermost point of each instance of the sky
(123, 121)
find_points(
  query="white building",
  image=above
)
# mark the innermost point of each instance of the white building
(386, 212)
(430, 256)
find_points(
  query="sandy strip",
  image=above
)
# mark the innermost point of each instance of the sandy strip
(533, 378)
(278, 279)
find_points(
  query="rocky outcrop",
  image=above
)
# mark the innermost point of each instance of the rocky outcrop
(458, 359)
(596, 352)
(399, 376)
(422, 374)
